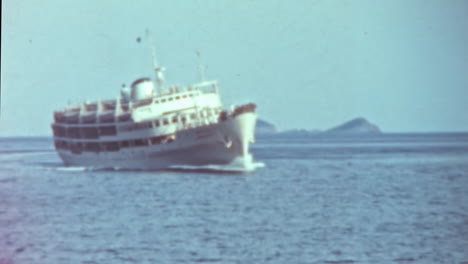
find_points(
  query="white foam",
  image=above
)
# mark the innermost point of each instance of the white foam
(72, 169)
(240, 164)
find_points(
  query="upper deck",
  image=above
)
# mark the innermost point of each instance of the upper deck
(173, 99)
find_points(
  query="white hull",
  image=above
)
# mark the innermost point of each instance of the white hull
(213, 144)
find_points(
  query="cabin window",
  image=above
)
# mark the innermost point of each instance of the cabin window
(89, 119)
(124, 144)
(183, 119)
(193, 116)
(170, 99)
(163, 100)
(76, 148)
(124, 117)
(107, 131)
(141, 142)
(59, 131)
(108, 106)
(109, 118)
(143, 102)
(91, 107)
(191, 95)
(156, 123)
(165, 121)
(59, 144)
(177, 97)
(73, 132)
(111, 146)
(92, 147)
(174, 119)
(184, 96)
(89, 132)
(71, 119)
(155, 140)
(150, 124)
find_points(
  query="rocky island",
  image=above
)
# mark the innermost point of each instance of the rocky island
(357, 126)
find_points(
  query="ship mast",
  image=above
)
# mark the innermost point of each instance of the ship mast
(159, 71)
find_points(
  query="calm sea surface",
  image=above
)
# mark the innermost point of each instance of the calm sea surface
(399, 198)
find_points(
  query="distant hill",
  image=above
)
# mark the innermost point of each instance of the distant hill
(299, 132)
(356, 126)
(264, 128)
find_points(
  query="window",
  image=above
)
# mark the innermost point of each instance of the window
(124, 117)
(150, 124)
(193, 116)
(177, 97)
(184, 96)
(59, 144)
(170, 99)
(124, 144)
(155, 140)
(73, 132)
(59, 131)
(183, 119)
(191, 95)
(109, 118)
(156, 102)
(111, 146)
(91, 147)
(156, 123)
(165, 121)
(174, 119)
(141, 142)
(107, 131)
(76, 148)
(89, 132)
(90, 119)
(163, 100)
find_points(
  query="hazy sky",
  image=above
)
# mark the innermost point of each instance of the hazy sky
(307, 64)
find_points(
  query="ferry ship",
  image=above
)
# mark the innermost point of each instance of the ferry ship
(147, 128)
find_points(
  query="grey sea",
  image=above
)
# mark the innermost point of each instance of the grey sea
(393, 198)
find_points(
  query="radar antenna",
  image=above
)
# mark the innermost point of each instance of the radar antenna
(159, 71)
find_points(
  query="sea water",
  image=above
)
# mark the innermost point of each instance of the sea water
(398, 198)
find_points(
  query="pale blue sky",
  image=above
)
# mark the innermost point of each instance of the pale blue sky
(307, 64)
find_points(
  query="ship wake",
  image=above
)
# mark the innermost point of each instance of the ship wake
(238, 165)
